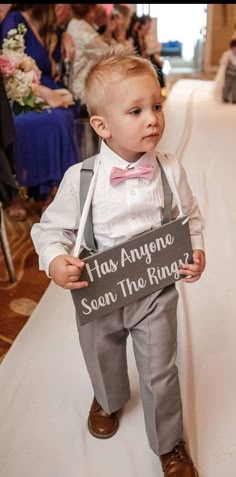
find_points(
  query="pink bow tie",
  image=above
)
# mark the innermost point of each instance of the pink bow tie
(119, 175)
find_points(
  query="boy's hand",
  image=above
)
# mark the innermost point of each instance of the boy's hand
(65, 271)
(194, 269)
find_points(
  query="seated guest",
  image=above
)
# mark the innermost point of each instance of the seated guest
(86, 39)
(145, 22)
(132, 33)
(122, 16)
(225, 80)
(105, 24)
(45, 143)
(100, 18)
(8, 186)
(64, 14)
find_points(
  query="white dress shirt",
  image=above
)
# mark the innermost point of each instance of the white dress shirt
(119, 212)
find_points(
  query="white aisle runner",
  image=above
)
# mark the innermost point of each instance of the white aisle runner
(207, 325)
(44, 387)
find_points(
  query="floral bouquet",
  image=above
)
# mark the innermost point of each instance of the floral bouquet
(20, 73)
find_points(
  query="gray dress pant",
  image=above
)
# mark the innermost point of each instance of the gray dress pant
(151, 321)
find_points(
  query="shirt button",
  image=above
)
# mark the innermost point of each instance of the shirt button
(133, 192)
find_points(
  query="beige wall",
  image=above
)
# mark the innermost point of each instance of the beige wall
(220, 28)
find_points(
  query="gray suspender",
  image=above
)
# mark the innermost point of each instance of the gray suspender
(168, 197)
(85, 179)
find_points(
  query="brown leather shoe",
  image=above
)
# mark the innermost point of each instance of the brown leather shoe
(178, 463)
(101, 424)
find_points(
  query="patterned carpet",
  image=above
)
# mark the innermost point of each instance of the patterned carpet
(19, 299)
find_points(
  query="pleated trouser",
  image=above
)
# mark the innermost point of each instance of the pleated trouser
(152, 324)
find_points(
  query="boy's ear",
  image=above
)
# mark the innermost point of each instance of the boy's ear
(99, 125)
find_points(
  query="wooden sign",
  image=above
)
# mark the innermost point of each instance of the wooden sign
(133, 269)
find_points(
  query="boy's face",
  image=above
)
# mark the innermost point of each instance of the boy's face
(133, 116)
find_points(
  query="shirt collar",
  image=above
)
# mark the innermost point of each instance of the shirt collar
(110, 159)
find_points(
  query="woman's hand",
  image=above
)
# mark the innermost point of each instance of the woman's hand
(54, 98)
(67, 46)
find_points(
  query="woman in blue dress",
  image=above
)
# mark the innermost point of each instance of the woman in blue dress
(45, 145)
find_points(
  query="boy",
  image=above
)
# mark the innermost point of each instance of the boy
(124, 101)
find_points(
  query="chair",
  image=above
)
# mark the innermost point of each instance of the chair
(5, 247)
(86, 138)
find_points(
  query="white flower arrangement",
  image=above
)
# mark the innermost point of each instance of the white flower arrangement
(20, 73)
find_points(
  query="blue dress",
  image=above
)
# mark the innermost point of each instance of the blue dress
(45, 141)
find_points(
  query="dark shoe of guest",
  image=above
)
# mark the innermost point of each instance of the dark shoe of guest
(16, 210)
(178, 463)
(101, 424)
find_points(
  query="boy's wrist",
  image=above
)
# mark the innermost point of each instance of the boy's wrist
(48, 256)
(197, 242)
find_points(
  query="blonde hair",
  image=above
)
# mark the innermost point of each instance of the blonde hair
(108, 65)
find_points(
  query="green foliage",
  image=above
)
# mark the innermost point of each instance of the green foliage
(30, 104)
